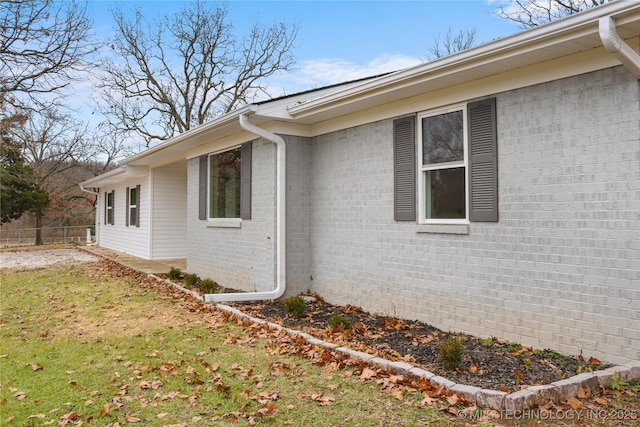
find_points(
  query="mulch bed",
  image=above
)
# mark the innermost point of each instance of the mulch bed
(487, 363)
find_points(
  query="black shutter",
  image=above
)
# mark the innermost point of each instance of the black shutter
(106, 210)
(138, 205)
(404, 169)
(127, 211)
(202, 189)
(245, 181)
(483, 161)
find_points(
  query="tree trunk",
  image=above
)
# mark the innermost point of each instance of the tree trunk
(39, 241)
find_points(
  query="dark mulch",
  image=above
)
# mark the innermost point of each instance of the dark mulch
(486, 363)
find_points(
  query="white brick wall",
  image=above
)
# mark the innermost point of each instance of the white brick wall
(561, 268)
(242, 258)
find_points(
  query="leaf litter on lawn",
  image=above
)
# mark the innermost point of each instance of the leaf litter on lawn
(192, 364)
(100, 344)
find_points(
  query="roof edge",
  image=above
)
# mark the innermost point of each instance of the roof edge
(518, 43)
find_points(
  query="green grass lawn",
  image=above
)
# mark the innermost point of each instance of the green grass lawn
(83, 345)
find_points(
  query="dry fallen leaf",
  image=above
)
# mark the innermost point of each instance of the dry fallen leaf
(397, 394)
(594, 361)
(453, 399)
(519, 377)
(473, 368)
(37, 416)
(36, 367)
(583, 392)
(575, 403)
(367, 374)
(270, 407)
(601, 400)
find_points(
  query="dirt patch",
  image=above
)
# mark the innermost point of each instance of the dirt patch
(38, 258)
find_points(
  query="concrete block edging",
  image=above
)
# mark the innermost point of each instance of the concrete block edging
(528, 398)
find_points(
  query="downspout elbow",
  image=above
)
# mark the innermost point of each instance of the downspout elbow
(280, 255)
(86, 190)
(617, 47)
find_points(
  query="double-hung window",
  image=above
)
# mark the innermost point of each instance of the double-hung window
(133, 206)
(108, 207)
(445, 165)
(225, 184)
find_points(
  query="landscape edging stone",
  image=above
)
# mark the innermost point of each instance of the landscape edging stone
(527, 398)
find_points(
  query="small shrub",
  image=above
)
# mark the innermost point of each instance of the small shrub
(208, 286)
(513, 347)
(528, 364)
(489, 342)
(174, 273)
(296, 306)
(339, 319)
(617, 383)
(191, 279)
(450, 352)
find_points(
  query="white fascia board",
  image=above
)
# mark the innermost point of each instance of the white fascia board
(173, 149)
(120, 174)
(556, 39)
(96, 181)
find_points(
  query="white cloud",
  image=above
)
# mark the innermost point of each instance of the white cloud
(317, 73)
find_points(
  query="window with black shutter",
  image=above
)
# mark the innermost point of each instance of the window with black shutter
(456, 159)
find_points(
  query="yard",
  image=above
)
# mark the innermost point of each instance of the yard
(95, 343)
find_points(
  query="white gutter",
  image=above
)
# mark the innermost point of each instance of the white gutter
(280, 222)
(616, 46)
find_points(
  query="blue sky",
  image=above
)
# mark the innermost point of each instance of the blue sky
(343, 40)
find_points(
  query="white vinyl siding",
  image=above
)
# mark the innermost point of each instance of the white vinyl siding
(120, 237)
(169, 218)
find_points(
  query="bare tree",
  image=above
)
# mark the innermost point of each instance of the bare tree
(452, 43)
(42, 44)
(54, 147)
(533, 13)
(181, 71)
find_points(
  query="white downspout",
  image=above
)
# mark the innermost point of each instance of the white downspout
(616, 46)
(86, 190)
(280, 222)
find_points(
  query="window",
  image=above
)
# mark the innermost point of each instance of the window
(225, 184)
(108, 207)
(133, 206)
(443, 167)
(456, 164)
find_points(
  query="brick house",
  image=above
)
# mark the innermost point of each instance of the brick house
(495, 191)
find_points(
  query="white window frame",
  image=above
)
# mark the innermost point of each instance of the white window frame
(422, 170)
(109, 212)
(133, 219)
